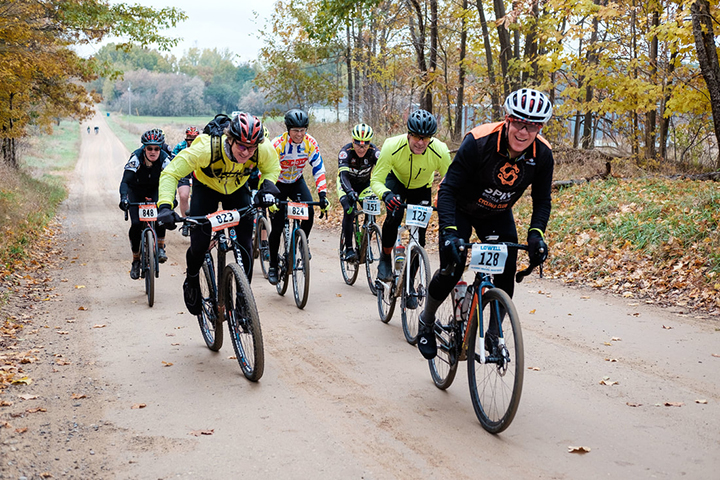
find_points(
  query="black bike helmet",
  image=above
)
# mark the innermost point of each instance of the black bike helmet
(296, 118)
(246, 128)
(422, 123)
(153, 137)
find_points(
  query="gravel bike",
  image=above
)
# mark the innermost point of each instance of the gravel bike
(294, 252)
(411, 276)
(366, 241)
(479, 323)
(230, 299)
(149, 265)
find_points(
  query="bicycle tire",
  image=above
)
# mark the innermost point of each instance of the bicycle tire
(496, 388)
(149, 267)
(263, 225)
(243, 322)
(419, 285)
(349, 270)
(208, 319)
(372, 255)
(444, 366)
(386, 300)
(301, 269)
(283, 268)
(255, 245)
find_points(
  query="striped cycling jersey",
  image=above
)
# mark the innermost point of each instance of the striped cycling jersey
(293, 159)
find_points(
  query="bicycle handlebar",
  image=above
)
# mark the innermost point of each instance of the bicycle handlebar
(519, 276)
(196, 221)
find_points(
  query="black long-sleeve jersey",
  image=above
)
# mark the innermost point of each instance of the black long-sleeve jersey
(483, 180)
(352, 168)
(138, 176)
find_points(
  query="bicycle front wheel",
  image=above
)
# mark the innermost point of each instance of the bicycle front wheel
(495, 365)
(301, 269)
(210, 323)
(243, 322)
(414, 292)
(149, 270)
(262, 233)
(349, 269)
(372, 255)
(449, 344)
(386, 300)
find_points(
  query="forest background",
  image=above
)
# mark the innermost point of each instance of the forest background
(636, 90)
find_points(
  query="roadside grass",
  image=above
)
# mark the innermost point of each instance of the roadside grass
(29, 197)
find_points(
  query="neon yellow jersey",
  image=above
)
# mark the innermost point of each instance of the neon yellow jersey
(224, 175)
(414, 171)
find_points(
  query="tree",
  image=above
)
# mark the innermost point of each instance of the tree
(41, 76)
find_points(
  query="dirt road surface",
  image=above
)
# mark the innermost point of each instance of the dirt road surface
(343, 395)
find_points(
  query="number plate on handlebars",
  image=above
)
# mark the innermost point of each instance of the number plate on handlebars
(487, 258)
(223, 219)
(418, 215)
(371, 206)
(297, 211)
(148, 213)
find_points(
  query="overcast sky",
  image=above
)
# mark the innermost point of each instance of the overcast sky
(221, 24)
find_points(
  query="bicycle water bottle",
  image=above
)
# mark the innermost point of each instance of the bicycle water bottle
(399, 257)
(459, 292)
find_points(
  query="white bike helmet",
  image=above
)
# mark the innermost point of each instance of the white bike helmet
(529, 105)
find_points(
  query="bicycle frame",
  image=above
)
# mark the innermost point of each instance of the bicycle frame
(149, 225)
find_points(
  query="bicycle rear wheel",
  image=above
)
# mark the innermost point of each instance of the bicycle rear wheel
(444, 366)
(301, 269)
(210, 324)
(262, 233)
(413, 300)
(149, 265)
(349, 270)
(283, 268)
(372, 255)
(243, 322)
(496, 383)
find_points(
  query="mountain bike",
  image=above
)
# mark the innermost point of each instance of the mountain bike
(294, 253)
(366, 241)
(261, 246)
(149, 265)
(412, 274)
(230, 299)
(480, 324)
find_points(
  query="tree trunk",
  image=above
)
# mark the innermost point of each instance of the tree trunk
(494, 97)
(531, 44)
(348, 59)
(592, 60)
(457, 133)
(505, 47)
(651, 116)
(665, 121)
(418, 40)
(702, 25)
(433, 52)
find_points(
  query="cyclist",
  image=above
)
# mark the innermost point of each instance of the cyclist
(355, 163)
(185, 183)
(219, 177)
(88, 129)
(97, 129)
(404, 174)
(295, 148)
(140, 181)
(495, 164)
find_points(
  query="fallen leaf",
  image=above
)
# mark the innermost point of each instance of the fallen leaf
(581, 450)
(23, 380)
(101, 325)
(138, 405)
(82, 308)
(36, 410)
(537, 369)
(5, 425)
(78, 396)
(616, 339)
(636, 314)
(611, 360)
(70, 321)
(338, 294)
(197, 433)
(608, 382)
(174, 344)
(608, 344)
(585, 297)
(532, 312)
(46, 475)
(716, 355)
(79, 286)
(630, 404)
(167, 364)
(232, 357)
(21, 430)
(701, 402)
(667, 327)
(674, 404)
(28, 397)
(5, 403)
(62, 332)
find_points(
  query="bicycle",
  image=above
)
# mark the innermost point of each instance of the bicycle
(366, 241)
(149, 265)
(463, 330)
(231, 299)
(261, 245)
(294, 253)
(411, 278)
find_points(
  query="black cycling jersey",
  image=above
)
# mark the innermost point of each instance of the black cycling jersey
(354, 170)
(138, 176)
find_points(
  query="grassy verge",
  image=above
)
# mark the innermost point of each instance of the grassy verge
(29, 197)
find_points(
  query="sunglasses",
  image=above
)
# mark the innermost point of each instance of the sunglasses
(361, 144)
(152, 149)
(530, 127)
(245, 146)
